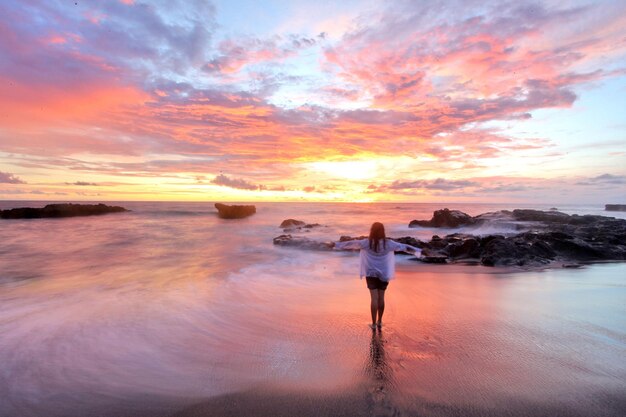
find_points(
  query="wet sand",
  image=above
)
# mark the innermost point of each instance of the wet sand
(457, 341)
(462, 344)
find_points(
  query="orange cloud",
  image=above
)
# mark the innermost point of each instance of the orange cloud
(26, 106)
(415, 81)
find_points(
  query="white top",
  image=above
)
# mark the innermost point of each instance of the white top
(379, 264)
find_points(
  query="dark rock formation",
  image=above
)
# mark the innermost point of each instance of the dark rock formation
(445, 218)
(346, 238)
(292, 225)
(540, 216)
(549, 237)
(555, 236)
(234, 212)
(615, 207)
(302, 243)
(60, 210)
(434, 259)
(465, 248)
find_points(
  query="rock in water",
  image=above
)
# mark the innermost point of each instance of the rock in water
(445, 218)
(234, 212)
(293, 225)
(289, 223)
(615, 207)
(302, 243)
(529, 215)
(60, 210)
(548, 237)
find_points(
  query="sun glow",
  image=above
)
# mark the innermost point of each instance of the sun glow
(206, 103)
(349, 170)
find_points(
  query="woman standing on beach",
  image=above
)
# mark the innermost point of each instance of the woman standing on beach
(377, 265)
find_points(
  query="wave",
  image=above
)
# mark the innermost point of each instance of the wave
(177, 213)
(485, 229)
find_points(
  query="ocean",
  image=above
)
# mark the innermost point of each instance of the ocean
(169, 310)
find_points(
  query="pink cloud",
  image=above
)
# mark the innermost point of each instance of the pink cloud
(8, 178)
(425, 77)
(235, 54)
(493, 62)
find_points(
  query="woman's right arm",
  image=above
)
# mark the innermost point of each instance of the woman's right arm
(349, 245)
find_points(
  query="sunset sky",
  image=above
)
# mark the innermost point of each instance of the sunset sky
(327, 100)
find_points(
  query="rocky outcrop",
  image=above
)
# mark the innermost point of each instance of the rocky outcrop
(302, 243)
(445, 218)
(293, 225)
(527, 215)
(554, 237)
(234, 212)
(60, 210)
(550, 237)
(615, 207)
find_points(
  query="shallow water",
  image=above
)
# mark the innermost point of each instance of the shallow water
(168, 310)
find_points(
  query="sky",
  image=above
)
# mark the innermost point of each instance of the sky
(396, 101)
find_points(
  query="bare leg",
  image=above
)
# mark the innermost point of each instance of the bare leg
(374, 304)
(381, 306)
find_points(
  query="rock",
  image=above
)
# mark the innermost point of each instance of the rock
(437, 242)
(408, 240)
(540, 216)
(445, 218)
(486, 239)
(346, 238)
(290, 223)
(467, 248)
(503, 252)
(542, 249)
(302, 243)
(434, 259)
(615, 207)
(60, 210)
(234, 212)
(555, 237)
(577, 249)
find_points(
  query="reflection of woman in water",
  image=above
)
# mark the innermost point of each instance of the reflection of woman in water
(377, 366)
(377, 265)
(383, 383)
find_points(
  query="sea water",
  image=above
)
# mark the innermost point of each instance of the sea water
(155, 310)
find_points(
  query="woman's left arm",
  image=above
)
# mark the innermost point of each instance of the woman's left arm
(397, 246)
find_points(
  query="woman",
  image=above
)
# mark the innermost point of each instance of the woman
(377, 265)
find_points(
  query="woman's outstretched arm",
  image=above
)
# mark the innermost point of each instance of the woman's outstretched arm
(397, 246)
(349, 245)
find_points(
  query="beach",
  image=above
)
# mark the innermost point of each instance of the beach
(154, 313)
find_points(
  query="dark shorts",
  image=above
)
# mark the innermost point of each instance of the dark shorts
(374, 283)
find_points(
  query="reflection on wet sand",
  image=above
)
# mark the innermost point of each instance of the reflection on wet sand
(381, 376)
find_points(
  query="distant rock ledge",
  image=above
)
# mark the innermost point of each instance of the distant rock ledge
(615, 207)
(234, 212)
(60, 210)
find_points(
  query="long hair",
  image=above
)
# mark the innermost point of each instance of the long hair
(377, 234)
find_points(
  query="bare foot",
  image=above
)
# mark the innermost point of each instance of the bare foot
(379, 324)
